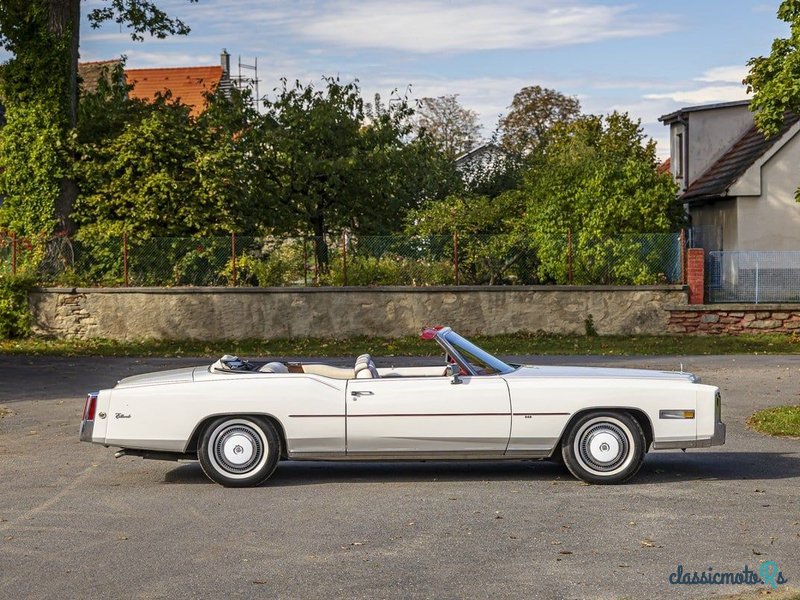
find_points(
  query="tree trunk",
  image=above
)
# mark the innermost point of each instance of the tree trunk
(320, 245)
(65, 20)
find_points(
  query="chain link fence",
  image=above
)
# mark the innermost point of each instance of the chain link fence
(561, 258)
(753, 277)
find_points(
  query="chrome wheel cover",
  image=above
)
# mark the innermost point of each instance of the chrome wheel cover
(238, 448)
(604, 446)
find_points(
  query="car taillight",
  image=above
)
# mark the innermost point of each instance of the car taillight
(91, 407)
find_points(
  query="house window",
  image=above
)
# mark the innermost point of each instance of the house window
(679, 156)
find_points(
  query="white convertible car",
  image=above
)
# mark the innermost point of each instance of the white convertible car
(240, 418)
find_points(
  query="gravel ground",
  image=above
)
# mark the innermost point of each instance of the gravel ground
(77, 523)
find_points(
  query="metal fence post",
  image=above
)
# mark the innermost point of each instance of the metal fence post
(756, 281)
(13, 253)
(305, 262)
(344, 257)
(125, 258)
(233, 257)
(455, 258)
(569, 256)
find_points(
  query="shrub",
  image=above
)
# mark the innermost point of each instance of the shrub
(15, 313)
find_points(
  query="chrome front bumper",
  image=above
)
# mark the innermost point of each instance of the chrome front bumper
(718, 439)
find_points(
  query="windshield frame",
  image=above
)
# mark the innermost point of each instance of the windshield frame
(451, 341)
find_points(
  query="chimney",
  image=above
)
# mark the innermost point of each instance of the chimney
(225, 61)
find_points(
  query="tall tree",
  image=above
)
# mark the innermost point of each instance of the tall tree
(533, 111)
(453, 128)
(596, 176)
(775, 79)
(43, 37)
(337, 163)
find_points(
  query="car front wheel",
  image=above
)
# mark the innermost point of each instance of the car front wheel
(604, 447)
(239, 451)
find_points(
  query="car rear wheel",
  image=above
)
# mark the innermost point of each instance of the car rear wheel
(239, 451)
(604, 447)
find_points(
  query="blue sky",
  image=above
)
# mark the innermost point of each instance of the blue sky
(647, 58)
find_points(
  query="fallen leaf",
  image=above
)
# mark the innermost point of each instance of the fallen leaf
(757, 553)
(565, 552)
(647, 543)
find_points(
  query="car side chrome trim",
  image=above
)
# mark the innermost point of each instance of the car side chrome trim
(401, 456)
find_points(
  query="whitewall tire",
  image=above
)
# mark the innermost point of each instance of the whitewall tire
(604, 447)
(239, 451)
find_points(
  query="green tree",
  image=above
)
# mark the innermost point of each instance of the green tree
(596, 176)
(774, 80)
(533, 111)
(166, 173)
(43, 37)
(338, 163)
(453, 128)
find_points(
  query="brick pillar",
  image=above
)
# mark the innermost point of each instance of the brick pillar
(695, 275)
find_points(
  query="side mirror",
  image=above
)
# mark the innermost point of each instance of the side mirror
(454, 371)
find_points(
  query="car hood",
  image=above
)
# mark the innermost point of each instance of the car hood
(601, 373)
(184, 375)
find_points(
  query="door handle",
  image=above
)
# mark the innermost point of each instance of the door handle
(360, 393)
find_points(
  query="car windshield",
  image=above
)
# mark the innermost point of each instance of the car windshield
(481, 361)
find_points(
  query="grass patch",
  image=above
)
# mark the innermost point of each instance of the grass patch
(780, 420)
(504, 345)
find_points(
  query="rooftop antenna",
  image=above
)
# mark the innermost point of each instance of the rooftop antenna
(247, 79)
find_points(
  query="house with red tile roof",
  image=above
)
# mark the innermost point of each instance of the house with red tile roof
(189, 85)
(737, 186)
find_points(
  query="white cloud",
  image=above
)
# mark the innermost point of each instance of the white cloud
(140, 59)
(427, 26)
(711, 93)
(727, 74)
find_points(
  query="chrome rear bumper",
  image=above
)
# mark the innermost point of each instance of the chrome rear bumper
(86, 431)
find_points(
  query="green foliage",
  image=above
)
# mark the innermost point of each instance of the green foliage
(31, 168)
(15, 314)
(589, 326)
(490, 247)
(167, 173)
(335, 162)
(389, 269)
(774, 80)
(276, 263)
(596, 177)
(142, 16)
(39, 86)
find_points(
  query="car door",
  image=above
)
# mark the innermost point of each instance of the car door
(428, 416)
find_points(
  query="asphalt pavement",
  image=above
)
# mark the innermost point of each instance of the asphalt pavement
(77, 523)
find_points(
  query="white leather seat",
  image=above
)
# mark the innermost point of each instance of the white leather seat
(328, 371)
(274, 367)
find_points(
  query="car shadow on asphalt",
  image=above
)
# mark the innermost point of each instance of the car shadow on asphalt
(658, 468)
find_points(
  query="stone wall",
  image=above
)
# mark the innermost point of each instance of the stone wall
(735, 319)
(271, 313)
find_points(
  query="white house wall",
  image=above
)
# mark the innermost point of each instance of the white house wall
(712, 133)
(771, 221)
